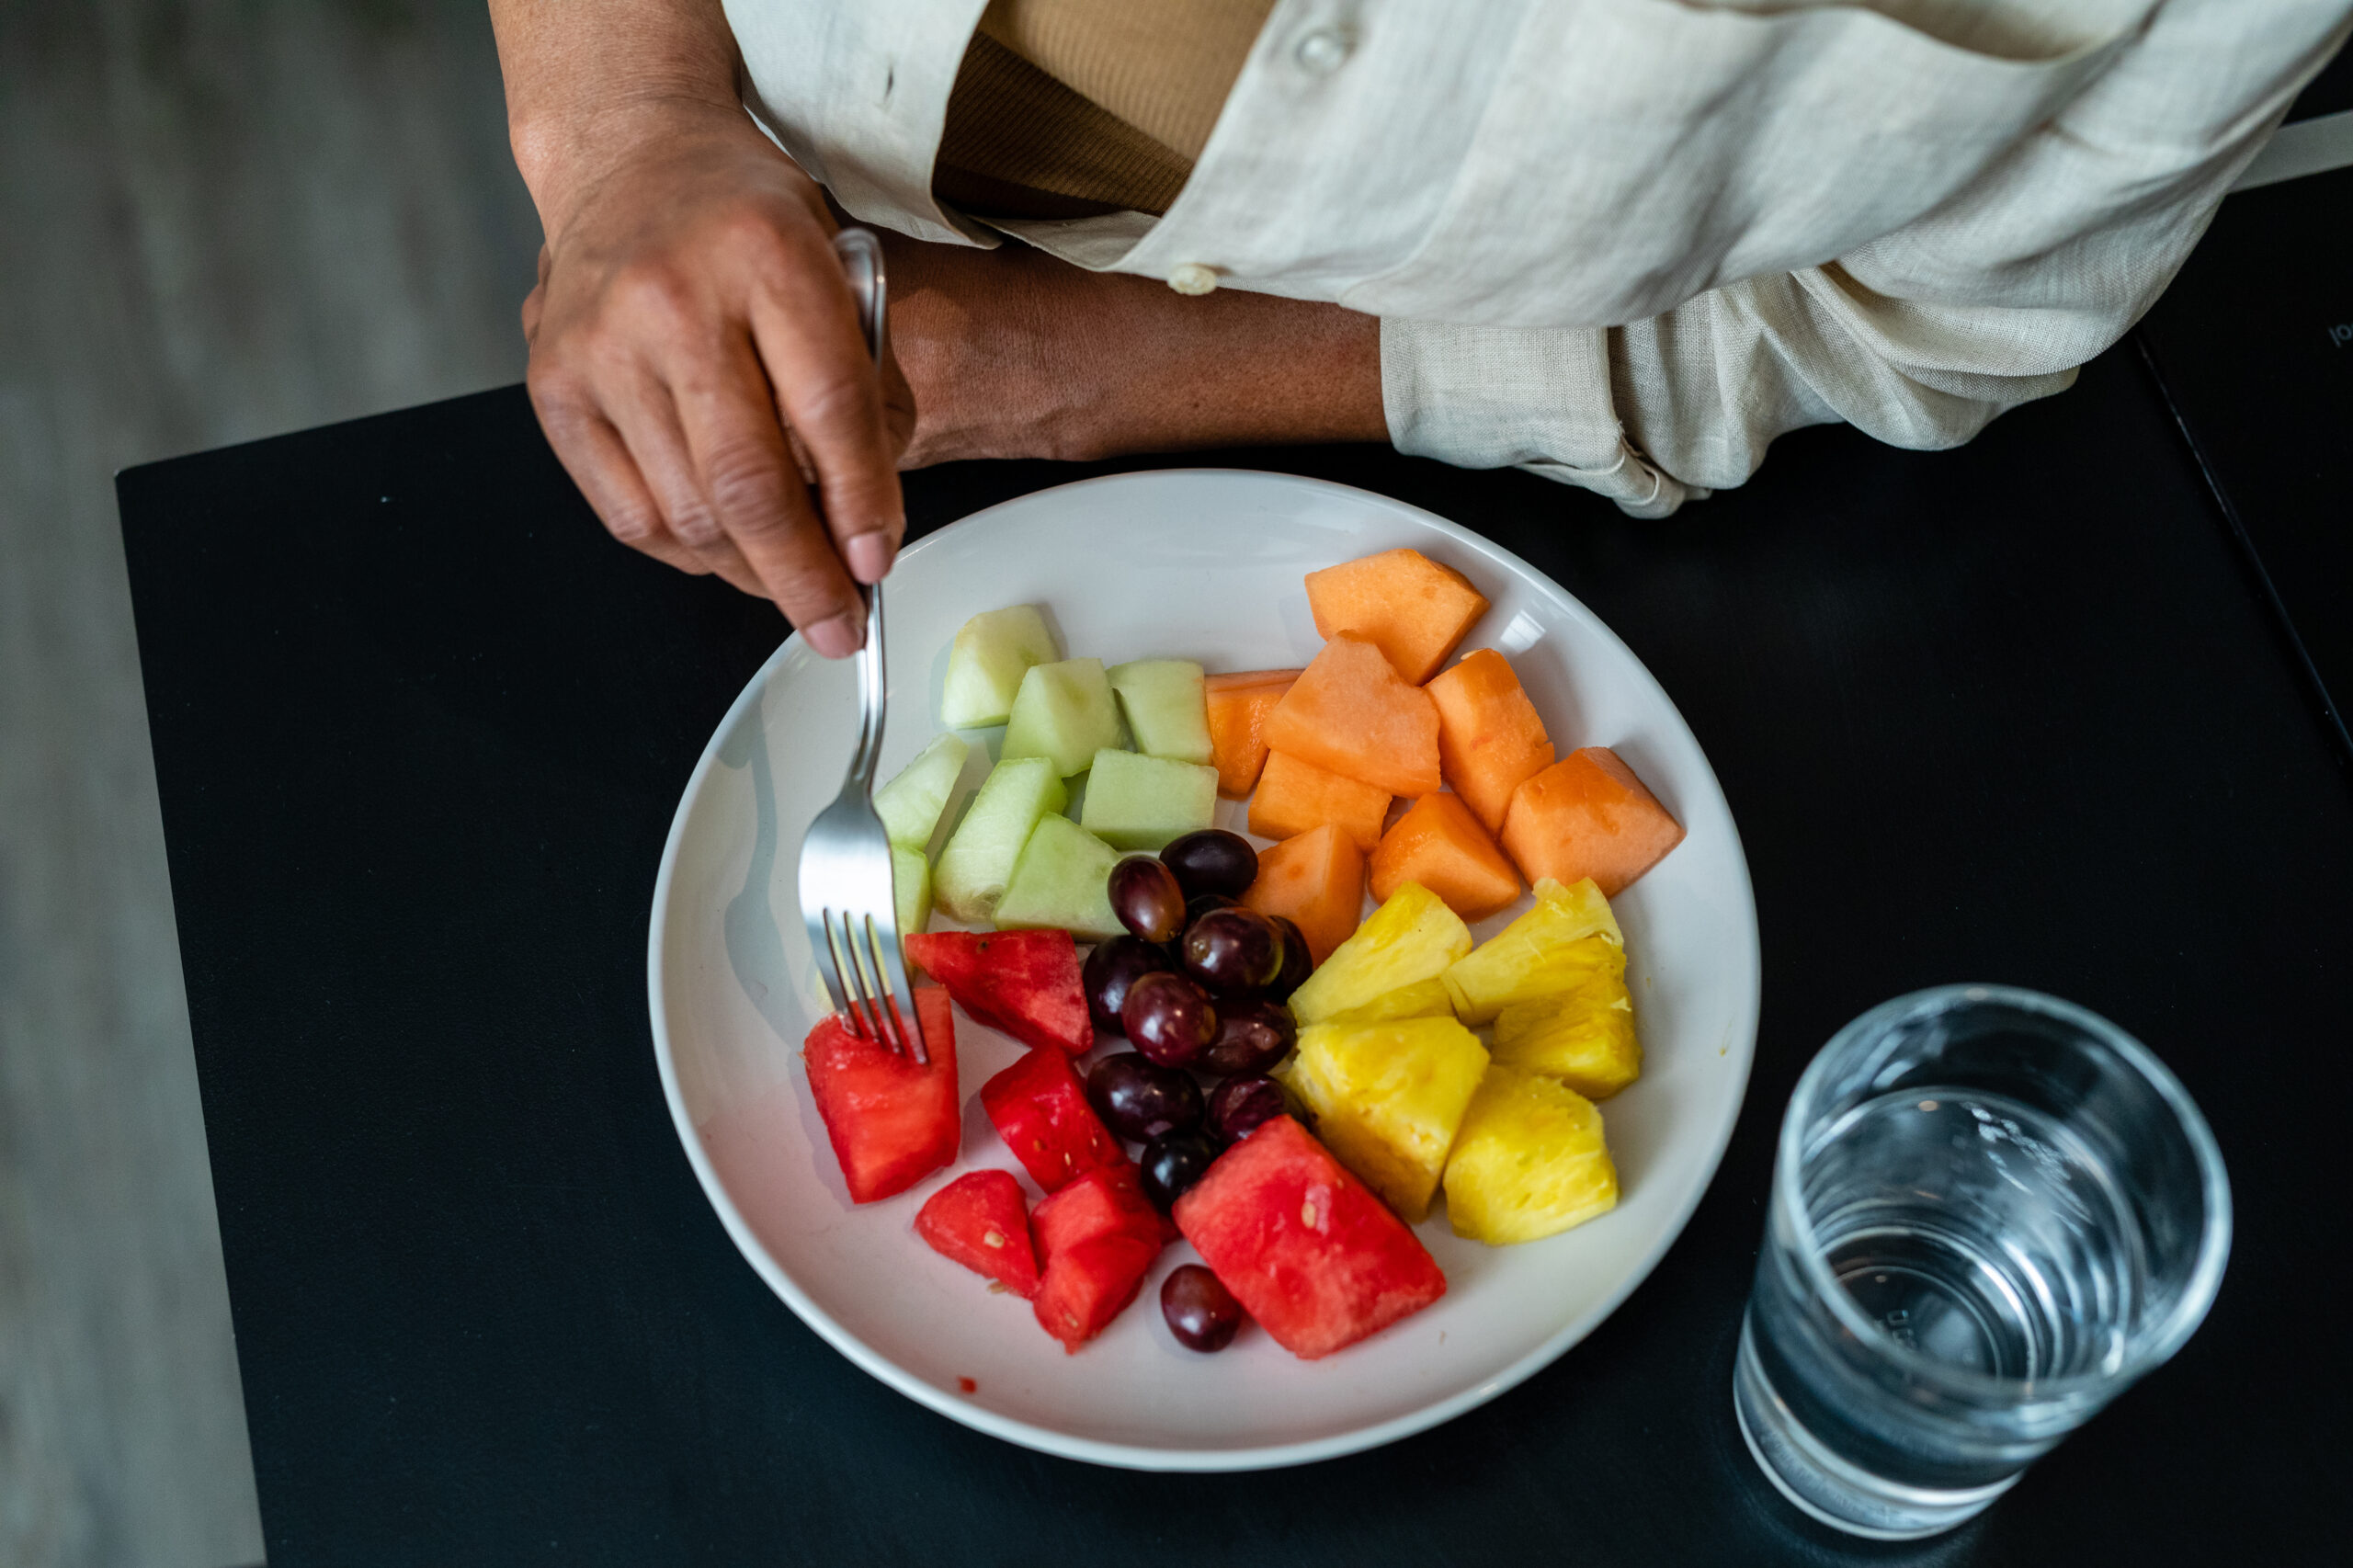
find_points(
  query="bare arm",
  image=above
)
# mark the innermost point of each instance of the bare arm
(1015, 353)
(690, 310)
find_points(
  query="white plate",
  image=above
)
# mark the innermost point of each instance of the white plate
(1201, 564)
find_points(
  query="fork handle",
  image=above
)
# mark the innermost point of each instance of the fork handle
(861, 258)
(870, 694)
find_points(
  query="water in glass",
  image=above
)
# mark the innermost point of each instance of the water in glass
(1994, 1209)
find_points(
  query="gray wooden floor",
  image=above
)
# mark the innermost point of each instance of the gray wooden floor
(217, 221)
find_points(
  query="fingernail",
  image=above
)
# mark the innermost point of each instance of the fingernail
(870, 557)
(838, 637)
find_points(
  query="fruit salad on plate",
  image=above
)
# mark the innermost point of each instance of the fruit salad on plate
(1243, 1059)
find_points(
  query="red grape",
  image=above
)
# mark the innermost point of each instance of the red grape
(1298, 960)
(1111, 968)
(1169, 1018)
(1251, 1037)
(1174, 1161)
(1197, 907)
(1239, 1107)
(1212, 860)
(1140, 1100)
(1235, 952)
(1145, 897)
(1199, 1311)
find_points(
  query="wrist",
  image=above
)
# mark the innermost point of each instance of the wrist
(564, 151)
(591, 82)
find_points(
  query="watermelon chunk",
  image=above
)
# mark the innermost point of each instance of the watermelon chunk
(1098, 1237)
(1025, 982)
(980, 1221)
(1039, 1109)
(892, 1123)
(1305, 1246)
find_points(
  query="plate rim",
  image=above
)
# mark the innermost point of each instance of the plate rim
(1141, 1457)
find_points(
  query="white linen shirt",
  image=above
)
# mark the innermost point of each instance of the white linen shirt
(1625, 243)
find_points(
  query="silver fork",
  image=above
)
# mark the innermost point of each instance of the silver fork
(846, 897)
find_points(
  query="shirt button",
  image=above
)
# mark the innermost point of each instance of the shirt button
(1193, 278)
(1322, 53)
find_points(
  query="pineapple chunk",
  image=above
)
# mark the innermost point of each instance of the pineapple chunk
(1387, 1099)
(1412, 937)
(1528, 958)
(1423, 999)
(1582, 1035)
(1529, 1161)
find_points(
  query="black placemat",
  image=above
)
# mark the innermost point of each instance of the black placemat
(2254, 345)
(2010, 714)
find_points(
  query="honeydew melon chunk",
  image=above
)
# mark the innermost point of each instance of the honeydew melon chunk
(986, 665)
(980, 854)
(909, 889)
(1063, 880)
(1064, 711)
(910, 804)
(1142, 803)
(1166, 702)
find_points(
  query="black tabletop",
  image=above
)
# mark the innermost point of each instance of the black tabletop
(2014, 712)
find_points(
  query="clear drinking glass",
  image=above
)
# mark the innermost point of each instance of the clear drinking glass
(1991, 1210)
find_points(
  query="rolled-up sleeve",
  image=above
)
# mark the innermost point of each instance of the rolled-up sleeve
(1534, 398)
(1920, 338)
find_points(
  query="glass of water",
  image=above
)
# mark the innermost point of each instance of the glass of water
(1991, 1210)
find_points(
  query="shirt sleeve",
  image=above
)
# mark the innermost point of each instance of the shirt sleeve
(1918, 338)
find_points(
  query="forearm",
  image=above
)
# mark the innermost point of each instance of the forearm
(1236, 368)
(1012, 353)
(587, 80)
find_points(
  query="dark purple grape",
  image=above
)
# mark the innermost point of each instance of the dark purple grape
(1199, 1311)
(1239, 1107)
(1112, 968)
(1197, 907)
(1212, 860)
(1169, 1018)
(1298, 960)
(1251, 1037)
(1140, 1100)
(1174, 1161)
(1145, 897)
(1235, 952)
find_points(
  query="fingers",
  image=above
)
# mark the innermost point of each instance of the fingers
(756, 499)
(645, 415)
(712, 392)
(593, 451)
(805, 328)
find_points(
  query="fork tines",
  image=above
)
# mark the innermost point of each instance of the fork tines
(869, 992)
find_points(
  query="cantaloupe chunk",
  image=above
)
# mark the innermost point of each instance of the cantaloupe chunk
(1490, 740)
(1408, 606)
(1441, 846)
(1238, 706)
(1295, 796)
(1316, 880)
(1350, 714)
(1588, 816)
